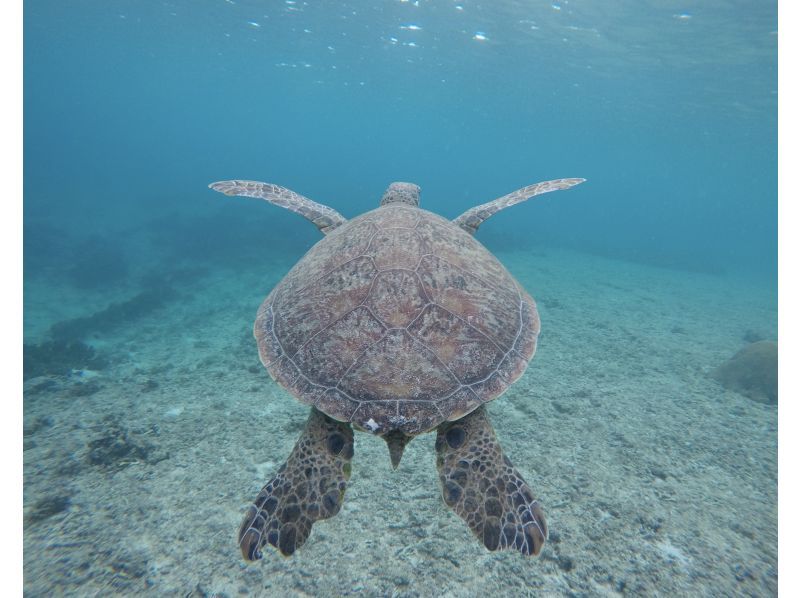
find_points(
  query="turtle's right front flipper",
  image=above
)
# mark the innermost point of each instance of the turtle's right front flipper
(474, 217)
(324, 218)
(308, 487)
(485, 489)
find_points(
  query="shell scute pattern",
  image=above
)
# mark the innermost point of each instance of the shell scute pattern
(463, 251)
(337, 250)
(466, 351)
(305, 312)
(328, 355)
(397, 298)
(398, 366)
(398, 319)
(396, 248)
(492, 310)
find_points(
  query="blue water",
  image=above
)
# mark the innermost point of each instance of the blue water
(141, 283)
(669, 112)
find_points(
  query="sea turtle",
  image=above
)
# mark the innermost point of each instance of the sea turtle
(397, 322)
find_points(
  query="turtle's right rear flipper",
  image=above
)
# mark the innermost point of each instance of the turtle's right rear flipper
(485, 489)
(308, 487)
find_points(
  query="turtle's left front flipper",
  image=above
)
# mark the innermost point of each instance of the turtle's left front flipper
(474, 217)
(324, 218)
(482, 486)
(308, 487)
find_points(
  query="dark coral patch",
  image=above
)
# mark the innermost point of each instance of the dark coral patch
(753, 372)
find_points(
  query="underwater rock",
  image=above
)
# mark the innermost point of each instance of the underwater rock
(35, 386)
(551, 303)
(117, 447)
(49, 506)
(150, 385)
(753, 372)
(59, 358)
(752, 336)
(85, 389)
(37, 424)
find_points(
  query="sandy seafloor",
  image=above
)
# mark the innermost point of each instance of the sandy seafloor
(654, 479)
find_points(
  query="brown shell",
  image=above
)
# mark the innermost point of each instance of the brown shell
(397, 320)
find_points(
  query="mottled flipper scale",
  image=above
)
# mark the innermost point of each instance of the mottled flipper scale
(474, 217)
(482, 486)
(308, 487)
(326, 219)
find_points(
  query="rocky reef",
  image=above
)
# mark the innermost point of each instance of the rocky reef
(753, 372)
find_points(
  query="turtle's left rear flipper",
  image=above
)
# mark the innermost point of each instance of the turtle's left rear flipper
(308, 487)
(485, 489)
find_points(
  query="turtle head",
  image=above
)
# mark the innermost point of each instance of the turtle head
(406, 193)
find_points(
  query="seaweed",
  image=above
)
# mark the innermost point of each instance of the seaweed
(114, 315)
(67, 351)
